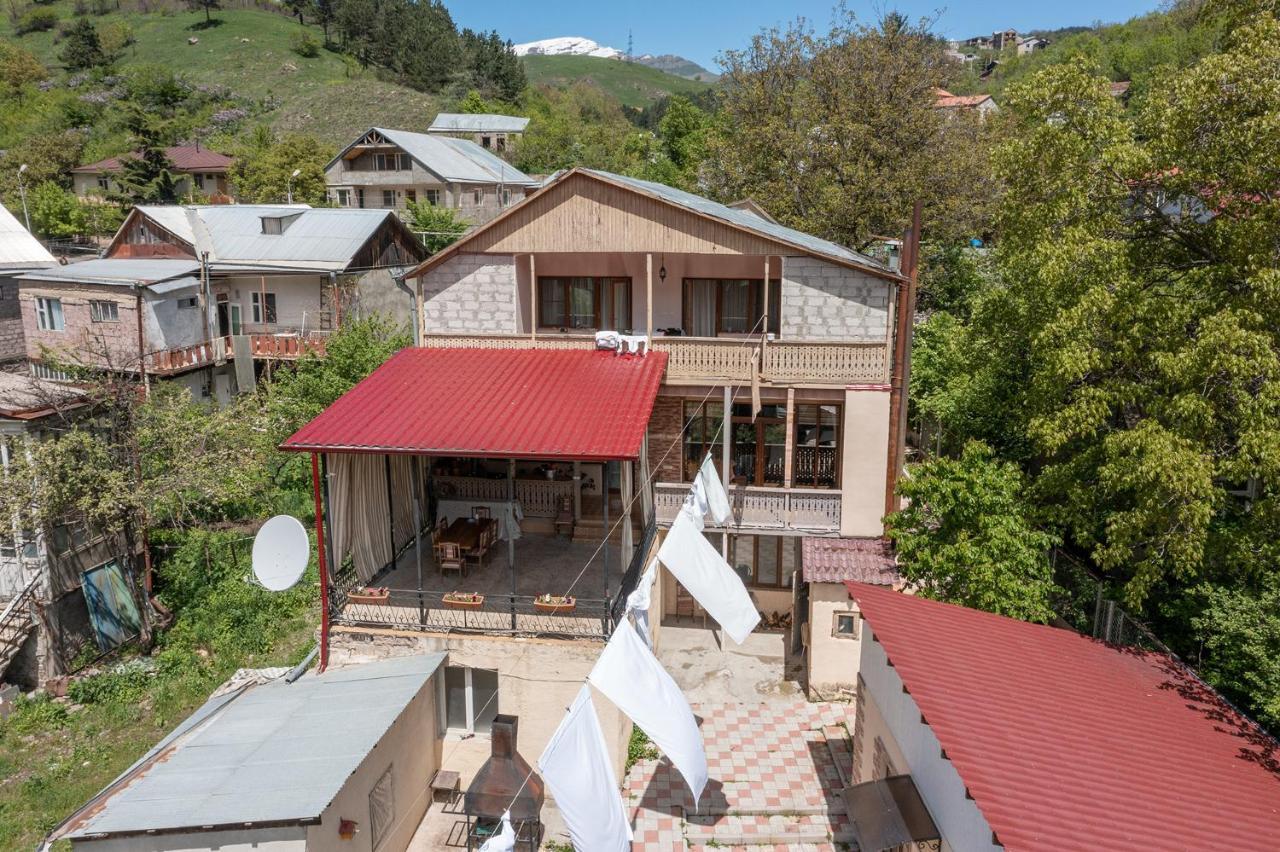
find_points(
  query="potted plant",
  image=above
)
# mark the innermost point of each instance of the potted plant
(463, 600)
(555, 603)
(369, 595)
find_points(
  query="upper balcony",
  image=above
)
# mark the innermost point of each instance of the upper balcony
(284, 346)
(799, 511)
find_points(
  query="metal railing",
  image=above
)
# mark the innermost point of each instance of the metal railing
(506, 614)
(754, 507)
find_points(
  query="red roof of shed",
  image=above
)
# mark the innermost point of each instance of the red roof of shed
(494, 403)
(1067, 743)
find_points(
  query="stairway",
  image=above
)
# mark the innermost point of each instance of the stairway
(16, 624)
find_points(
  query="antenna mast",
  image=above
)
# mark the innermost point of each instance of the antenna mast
(630, 45)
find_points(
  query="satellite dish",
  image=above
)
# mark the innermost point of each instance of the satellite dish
(280, 553)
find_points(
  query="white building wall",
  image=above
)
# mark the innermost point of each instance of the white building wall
(961, 823)
(168, 326)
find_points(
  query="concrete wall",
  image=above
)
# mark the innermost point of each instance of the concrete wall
(411, 748)
(537, 678)
(892, 714)
(298, 299)
(865, 461)
(285, 839)
(471, 293)
(168, 326)
(376, 293)
(822, 301)
(832, 660)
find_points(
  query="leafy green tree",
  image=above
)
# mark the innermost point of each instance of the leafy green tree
(48, 157)
(207, 6)
(55, 212)
(577, 126)
(438, 227)
(81, 49)
(965, 536)
(19, 68)
(263, 165)
(146, 174)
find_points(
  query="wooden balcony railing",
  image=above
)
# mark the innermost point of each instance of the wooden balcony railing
(698, 360)
(287, 347)
(766, 509)
(539, 498)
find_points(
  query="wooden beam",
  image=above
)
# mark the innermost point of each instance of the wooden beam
(648, 300)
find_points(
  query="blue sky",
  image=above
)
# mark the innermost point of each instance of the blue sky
(699, 29)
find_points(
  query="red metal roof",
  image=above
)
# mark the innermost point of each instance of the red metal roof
(185, 158)
(835, 560)
(494, 403)
(1067, 743)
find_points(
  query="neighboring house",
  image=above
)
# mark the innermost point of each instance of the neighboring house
(1120, 90)
(200, 173)
(1004, 39)
(1031, 44)
(978, 732)
(281, 761)
(509, 401)
(49, 608)
(983, 105)
(386, 169)
(202, 294)
(19, 252)
(492, 132)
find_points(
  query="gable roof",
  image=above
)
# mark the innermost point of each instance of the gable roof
(740, 220)
(18, 249)
(453, 160)
(275, 752)
(1065, 742)
(464, 122)
(185, 158)
(322, 238)
(945, 100)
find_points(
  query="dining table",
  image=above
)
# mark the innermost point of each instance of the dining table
(508, 513)
(465, 532)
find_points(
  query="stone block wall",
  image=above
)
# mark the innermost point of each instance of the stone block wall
(471, 293)
(12, 344)
(822, 301)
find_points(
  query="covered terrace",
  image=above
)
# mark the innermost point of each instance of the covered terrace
(435, 434)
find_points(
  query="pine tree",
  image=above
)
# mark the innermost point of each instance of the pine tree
(146, 176)
(83, 50)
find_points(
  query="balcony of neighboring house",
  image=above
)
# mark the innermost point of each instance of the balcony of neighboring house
(282, 344)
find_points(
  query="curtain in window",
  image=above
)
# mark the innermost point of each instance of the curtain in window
(702, 297)
(550, 302)
(735, 307)
(582, 303)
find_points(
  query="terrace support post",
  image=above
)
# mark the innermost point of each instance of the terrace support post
(533, 298)
(391, 512)
(648, 301)
(320, 562)
(511, 542)
(725, 459)
(577, 491)
(900, 377)
(625, 485)
(764, 312)
(604, 549)
(789, 451)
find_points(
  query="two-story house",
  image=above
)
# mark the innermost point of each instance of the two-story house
(492, 132)
(206, 295)
(497, 491)
(199, 173)
(19, 253)
(386, 169)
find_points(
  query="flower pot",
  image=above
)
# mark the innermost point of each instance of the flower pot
(463, 601)
(377, 595)
(558, 605)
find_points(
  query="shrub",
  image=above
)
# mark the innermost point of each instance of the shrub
(37, 21)
(36, 714)
(115, 36)
(304, 44)
(124, 684)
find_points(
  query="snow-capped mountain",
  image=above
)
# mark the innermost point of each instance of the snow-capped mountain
(567, 45)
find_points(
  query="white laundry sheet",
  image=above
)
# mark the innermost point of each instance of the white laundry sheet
(503, 841)
(631, 677)
(575, 766)
(712, 489)
(701, 569)
(638, 602)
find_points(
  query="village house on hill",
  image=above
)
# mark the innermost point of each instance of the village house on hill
(498, 133)
(200, 173)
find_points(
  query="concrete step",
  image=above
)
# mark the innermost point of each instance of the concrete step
(840, 746)
(765, 829)
(591, 530)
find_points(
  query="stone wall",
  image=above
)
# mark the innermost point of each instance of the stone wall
(471, 293)
(12, 344)
(665, 425)
(822, 301)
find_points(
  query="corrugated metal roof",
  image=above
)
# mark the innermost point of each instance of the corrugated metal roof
(185, 158)
(18, 249)
(1065, 742)
(23, 396)
(123, 272)
(275, 752)
(495, 403)
(461, 122)
(459, 160)
(744, 219)
(835, 560)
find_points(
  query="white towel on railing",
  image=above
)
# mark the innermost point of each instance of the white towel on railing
(631, 677)
(703, 572)
(608, 340)
(575, 765)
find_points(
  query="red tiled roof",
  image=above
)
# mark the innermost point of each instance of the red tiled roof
(1066, 743)
(494, 403)
(835, 560)
(185, 158)
(946, 100)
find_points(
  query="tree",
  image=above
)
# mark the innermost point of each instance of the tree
(146, 174)
(836, 133)
(81, 49)
(325, 15)
(19, 68)
(263, 165)
(965, 536)
(209, 6)
(495, 68)
(438, 227)
(47, 156)
(55, 212)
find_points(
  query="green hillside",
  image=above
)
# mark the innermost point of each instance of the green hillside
(249, 53)
(633, 84)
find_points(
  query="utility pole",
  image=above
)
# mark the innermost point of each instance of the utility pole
(630, 46)
(289, 185)
(22, 190)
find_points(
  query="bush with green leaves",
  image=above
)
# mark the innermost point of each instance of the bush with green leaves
(304, 44)
(37, 21)
(437, 227)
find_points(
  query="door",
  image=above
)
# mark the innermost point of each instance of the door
(470, 699)
(233, 311)
(112, 610)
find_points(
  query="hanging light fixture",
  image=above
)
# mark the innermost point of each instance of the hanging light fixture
(662, 269)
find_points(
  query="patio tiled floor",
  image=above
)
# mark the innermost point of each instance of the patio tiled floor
(773, 784)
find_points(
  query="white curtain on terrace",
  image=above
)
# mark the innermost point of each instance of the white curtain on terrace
(703, 307)
(358, 509)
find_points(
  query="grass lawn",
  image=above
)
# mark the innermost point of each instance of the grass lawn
(633, 84)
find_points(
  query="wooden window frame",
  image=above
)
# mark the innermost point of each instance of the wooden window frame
(838, 448)
(754, 302)
(598, 286)
(700, 412)
(760, 423)
(779, 542)
(97, 313)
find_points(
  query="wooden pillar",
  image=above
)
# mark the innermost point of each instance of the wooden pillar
(577, 491)
(320, 563)
(725, 459)
(533, 298)
(648, 301)
(604, 549)
(624, 483)
(764, 311)
(391, 510)
(788, 454)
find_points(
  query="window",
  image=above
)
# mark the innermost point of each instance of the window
(344, 198)
(199, 181)
(396, 162)
(388, 198)
(49, 314)
(189, 303)
(816, 455)
(101, 310)
(104, 182)
(8, 548)
(478, 197)
(762, 561)
(433, 197)
(506, 197)
(584, 303)
(844, 625)
(69, 537)
(470, 699)
(257, 307)
(410, 196)
(501, 143)
(703, 433)
(715, 306)
(758, 453)
(382, 807)
(486, 141)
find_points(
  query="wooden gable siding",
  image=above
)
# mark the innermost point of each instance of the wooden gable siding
(140, 236)
(582, 214)
(393, 244)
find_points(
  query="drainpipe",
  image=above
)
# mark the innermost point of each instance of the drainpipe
(142, 341)
(417, 316)
(900, 377)
(210, 311)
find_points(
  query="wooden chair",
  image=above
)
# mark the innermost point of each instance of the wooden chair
(478, 512)
(487, 537)
(449, 558)
(564, 517)
(441, 525)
